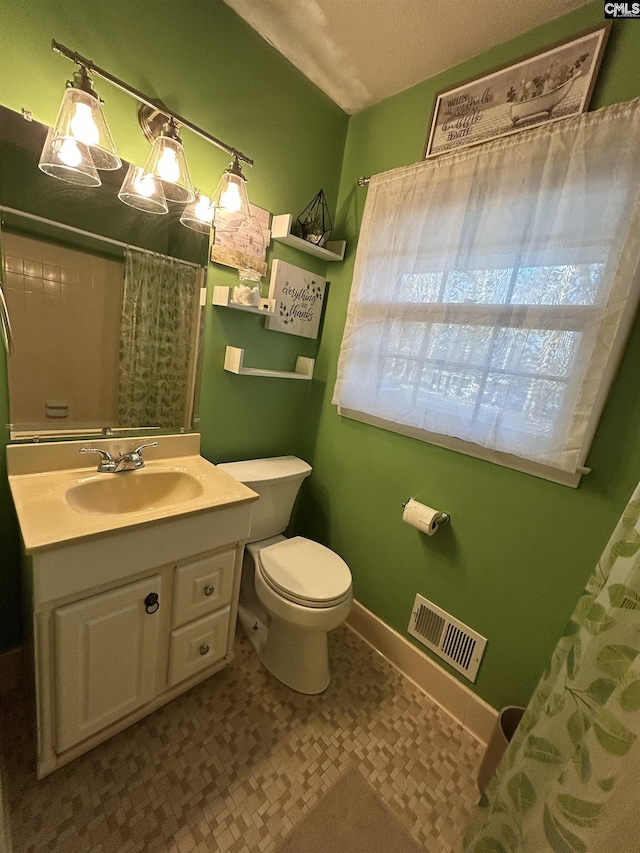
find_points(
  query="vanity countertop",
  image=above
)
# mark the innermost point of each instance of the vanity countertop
(47, 518)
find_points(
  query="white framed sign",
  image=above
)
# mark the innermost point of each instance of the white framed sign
(299, 296)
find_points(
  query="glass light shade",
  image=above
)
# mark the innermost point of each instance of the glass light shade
(168, 164)
(198, 214)
(80, 119)
(142, 191)
(69, 161)
(231, 196)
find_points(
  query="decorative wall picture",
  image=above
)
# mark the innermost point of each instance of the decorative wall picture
(547, 86)
(242, 246)
(298, 295)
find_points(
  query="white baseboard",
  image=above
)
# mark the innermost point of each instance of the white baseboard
(11, 669)
(473, 713)
(455, 698)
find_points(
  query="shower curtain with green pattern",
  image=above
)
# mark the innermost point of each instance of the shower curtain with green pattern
(568, 781)
(157, 340)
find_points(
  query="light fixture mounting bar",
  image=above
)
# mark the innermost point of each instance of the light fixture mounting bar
(83, 62)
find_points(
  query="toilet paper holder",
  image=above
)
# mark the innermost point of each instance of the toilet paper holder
(442, 518)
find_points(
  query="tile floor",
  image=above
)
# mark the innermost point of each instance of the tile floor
(234, 764)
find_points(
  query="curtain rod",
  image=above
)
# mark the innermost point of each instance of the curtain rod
(15, 212)
(88, 65)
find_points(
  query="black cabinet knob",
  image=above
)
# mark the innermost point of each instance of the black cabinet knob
(151, 602)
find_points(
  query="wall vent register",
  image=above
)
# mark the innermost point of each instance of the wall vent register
(456, 643)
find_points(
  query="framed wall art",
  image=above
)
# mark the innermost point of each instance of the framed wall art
(242, 246)
(546, 86)
(299, 296)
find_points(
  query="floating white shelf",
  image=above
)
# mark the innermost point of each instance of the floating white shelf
(234, 357)
(281, 231)
(222, 296)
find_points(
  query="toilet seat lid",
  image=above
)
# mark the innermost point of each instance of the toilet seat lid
(306, 572)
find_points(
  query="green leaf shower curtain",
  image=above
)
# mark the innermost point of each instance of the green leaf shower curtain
(158, 338)
(563, 784)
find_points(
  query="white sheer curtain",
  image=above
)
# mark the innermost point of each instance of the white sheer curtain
(494, 290)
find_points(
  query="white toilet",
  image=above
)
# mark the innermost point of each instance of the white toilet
(293, 591)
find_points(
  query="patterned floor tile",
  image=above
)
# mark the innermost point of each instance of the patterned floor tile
(234, 764)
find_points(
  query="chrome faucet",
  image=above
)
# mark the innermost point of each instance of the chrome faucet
(130, 461)
(106, 465)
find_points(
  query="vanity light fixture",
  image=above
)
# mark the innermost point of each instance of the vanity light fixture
(231, 194)
(198, 214)
(80, 141)
(142, 191)
(166, 166)
(69, 161)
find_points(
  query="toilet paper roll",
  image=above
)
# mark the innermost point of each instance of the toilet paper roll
(425, 518)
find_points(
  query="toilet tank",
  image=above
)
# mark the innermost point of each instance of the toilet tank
(277, 480)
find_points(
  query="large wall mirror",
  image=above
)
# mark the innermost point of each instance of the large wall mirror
(106, 329)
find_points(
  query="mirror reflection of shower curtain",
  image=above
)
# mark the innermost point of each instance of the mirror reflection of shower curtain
(158, 340)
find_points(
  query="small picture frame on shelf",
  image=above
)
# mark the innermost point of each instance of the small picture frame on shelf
(298, 297)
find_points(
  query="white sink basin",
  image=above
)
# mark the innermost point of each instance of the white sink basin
(133, 491)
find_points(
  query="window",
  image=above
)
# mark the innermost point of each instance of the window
(494, 290)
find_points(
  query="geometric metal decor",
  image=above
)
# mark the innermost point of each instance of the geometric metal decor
(314, 223)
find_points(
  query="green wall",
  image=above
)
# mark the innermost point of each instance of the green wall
(519, 549)
(203, 61)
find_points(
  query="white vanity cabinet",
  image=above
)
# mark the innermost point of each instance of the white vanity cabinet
(109, 651)
(120, 628)
(128, 609)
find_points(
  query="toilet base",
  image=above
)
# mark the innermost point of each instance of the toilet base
(289, 639)
(297, 657)
(306, 670)
(253, 627)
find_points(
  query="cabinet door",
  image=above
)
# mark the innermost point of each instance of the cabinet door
(106, 657)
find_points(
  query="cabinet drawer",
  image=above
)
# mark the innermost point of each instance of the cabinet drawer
(203, 585)
(198, 645)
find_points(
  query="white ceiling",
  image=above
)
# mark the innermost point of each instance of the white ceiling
(361, 51)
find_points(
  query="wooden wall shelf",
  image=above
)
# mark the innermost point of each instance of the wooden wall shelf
(234, 358)
(222, 296)
(281, 232)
